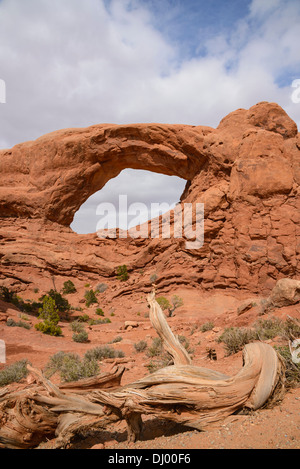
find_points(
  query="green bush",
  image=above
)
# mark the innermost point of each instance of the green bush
(116, 340)
(11, 323)
(70, 367)
(140, 346)
(90, 297)
(236, 338)
(61, 303)
(77, 326)
(49, 310)
(68, 287)
(80, 337)
(292, 370)
(14, 373)
(99, 353)
(163, 303)
(6, 294)
(156, 348)
(186, 344)
(93, 322)
(122, 273)
(207, 326)
(100, 312)
(49, 328)
(83, 318)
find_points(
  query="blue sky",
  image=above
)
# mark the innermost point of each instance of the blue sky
(74, 63)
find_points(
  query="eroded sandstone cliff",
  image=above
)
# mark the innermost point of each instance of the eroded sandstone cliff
(246, 172)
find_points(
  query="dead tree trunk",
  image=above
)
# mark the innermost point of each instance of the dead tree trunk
(184, 393)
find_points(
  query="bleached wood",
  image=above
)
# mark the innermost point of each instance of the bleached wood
(183, 393)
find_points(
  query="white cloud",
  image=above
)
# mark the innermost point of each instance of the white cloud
(74, 63)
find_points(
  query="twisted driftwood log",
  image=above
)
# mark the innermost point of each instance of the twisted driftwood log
(184, 393)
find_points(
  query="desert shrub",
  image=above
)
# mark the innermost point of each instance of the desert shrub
(81, 336)
(122, 273)
(101, 287)
(93, 322)
(272, 327)
(6, 294)
(49, 328)
(90, 297)
(156, 348)
(269, 328)
(291, 328)
(140, 346)
(159, 357)
(49, 313)
(153, 278)
(101, 352)
(83, 318)
(61, 303)
(11, 323)
(163, 303)
(77, 326)
(49, 310)
(116, 340)
(100, 312)
(70, 367)
(186, 344)
(68, 287)
(156, 364)
(207, 326)
(292, 370)
(236, 338)
(14, 373)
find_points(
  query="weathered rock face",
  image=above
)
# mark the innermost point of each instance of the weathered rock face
(246, 171)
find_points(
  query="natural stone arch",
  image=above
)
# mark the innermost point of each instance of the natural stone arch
(155, 193)
(59, 171)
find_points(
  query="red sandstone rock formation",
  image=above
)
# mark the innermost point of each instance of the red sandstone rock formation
(246, 171)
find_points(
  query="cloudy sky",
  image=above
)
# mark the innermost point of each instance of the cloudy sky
(74, 63)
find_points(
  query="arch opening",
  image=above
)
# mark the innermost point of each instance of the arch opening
(133, 190)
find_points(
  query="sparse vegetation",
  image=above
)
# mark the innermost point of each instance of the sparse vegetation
(140, 346)
(235, 338)
(49, 313)
(70, 367)
(93, 322)
(68, 287)
(186, 344)
(264, 329)
(61, 303)
(6, 294)
(83, 318)
(13, 373)
(101, 287)
(90, 298)
(153, 278)
(100, 312)
(122, 273)
(77, 326)
(11, 297)
(207, 326)
(81, 336)
(101, 352)
(165, 304)
(292, 370)
(116, 340)
(159, 357)
(11, 323)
